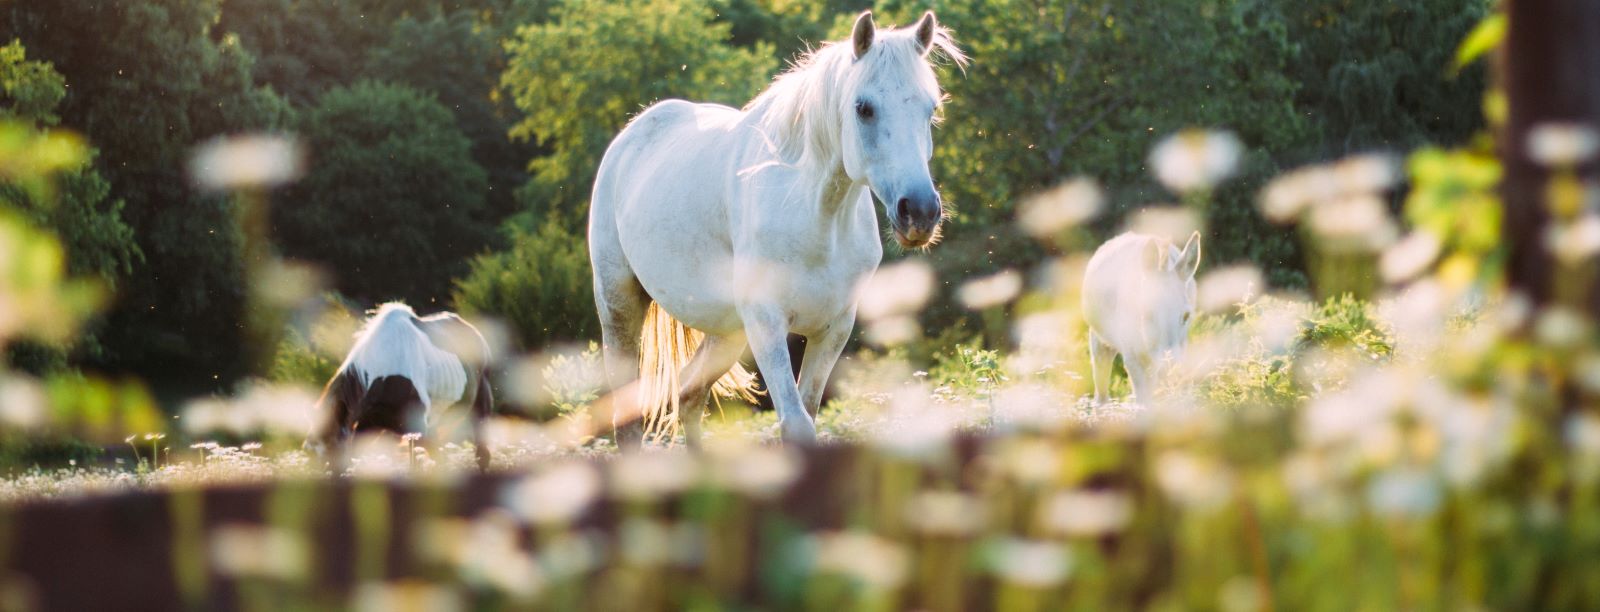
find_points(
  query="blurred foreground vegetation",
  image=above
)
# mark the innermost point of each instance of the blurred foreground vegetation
(1365, 417)
(430, 123)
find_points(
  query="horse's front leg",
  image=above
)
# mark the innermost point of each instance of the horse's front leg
(822, 353)
(768, 330)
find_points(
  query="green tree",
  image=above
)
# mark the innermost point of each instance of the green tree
(541, 287)
(1378, 75)
(578, 78)
(392, 203)
(96, 240)
(456, 58)
(149, 80)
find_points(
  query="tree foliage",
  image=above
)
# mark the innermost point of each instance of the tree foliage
(541, 287)
(578, 78)
(392, 204)
(454, 56)
(148, 82)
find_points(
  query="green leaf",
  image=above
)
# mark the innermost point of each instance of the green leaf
(1483, 37)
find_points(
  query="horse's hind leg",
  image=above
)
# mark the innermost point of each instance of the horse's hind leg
(1101, 356)
(621, 302)
(711, 361)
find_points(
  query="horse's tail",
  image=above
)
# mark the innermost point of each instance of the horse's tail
(666, 345)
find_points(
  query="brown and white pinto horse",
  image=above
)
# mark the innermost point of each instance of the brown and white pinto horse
(402, 373)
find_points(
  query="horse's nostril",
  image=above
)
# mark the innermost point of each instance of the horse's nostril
(901, 208)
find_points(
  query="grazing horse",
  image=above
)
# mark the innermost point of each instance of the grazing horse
(722, 227)
(402, 371)
(1138, 297)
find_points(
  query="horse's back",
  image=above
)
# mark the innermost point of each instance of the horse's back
(455, 335)
(660, 211)
(662, 142)
(1117, 283)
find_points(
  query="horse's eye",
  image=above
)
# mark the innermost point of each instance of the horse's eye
(1186, 318)
(864, 110)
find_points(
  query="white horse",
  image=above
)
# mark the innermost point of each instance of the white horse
(748, 225)
(1138, 297)
(401, 368)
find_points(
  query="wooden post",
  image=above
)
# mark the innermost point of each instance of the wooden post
(1550, 72)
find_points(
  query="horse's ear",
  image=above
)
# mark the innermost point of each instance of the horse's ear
(862, 35)
(1189, 259)
(925, 28)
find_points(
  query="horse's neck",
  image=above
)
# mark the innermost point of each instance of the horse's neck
(830, 194)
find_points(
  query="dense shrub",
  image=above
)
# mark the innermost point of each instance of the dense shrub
(392, 203)
(541, 287)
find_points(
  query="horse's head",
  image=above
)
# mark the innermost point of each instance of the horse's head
(1176, 269)
(888, 103)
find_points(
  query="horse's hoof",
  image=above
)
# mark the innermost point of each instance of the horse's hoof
(804, 434)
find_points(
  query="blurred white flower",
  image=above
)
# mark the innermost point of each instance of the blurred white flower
(1417, 316)
(992, 290)
(1404, 492)
(1366, 173)
(1222, 288)
(1359, 223)
(1173, 223)
(22, 402)
(252, 160)
(1066, 205)
(1087, 513)
(892, 331)
(1032, 406)
(1276, 327)
(1195, 159)
(1559, 326)
(1030, 461)
(1046, 331)
(1406, 259)
(651, 475)
(876, 562)
(1369, 401)
(1573, 242)
(761, 472)
(405, 596)
(1561, 144)
(1287, 196)
(896, 289)
(1283, 199)
(1192, 480)
(255, 551)
(914, 427)
(946, 513)
(376, 456)
(1030, 563)
(556, 494)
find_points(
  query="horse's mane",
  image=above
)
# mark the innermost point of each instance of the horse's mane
(800, 111)
(391, 343)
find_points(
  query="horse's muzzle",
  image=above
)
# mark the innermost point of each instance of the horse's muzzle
(916, 219)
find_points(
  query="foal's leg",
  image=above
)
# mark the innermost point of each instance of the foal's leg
(714, 358)
(822, 352)
(768, 330)
(1101, 358)
(1139, 368)
(621, 302)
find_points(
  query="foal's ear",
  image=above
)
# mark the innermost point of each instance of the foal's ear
(863, 34)
(1188, 261)
(925, 28)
